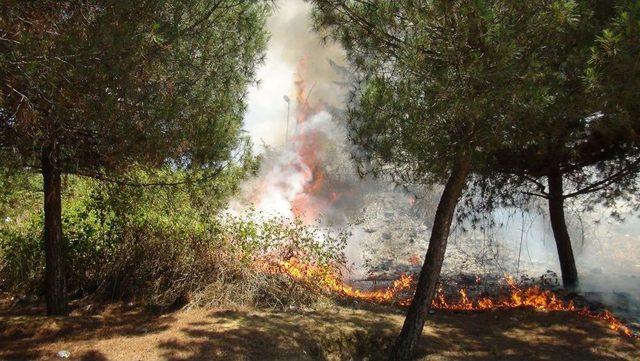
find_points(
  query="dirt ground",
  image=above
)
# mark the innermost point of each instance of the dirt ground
(330, 333)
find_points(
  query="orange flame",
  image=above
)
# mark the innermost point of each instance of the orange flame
(400, 293)
(614, 323)
(518, 297)
(414, 260)
(308, 204)
(330, 281)
(312, 193)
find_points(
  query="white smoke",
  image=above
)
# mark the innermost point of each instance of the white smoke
(284, 175)
(292, 39)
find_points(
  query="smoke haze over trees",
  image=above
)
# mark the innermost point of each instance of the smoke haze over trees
(304, 174)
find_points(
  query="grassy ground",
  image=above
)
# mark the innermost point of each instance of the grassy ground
(333, 333)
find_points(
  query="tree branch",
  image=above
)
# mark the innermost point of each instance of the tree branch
(604, 183)
(546, 196)
(130, 183)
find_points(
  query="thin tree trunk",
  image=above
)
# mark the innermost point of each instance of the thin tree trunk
(430, 272)
(54, 269)
(560, 233)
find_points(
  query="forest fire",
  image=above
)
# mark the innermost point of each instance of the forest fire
(614, 323)
(305, 204)
(295, 183)
(312, 193)
(309, 192)
(516, 297)
(330, 281)
(400, 293)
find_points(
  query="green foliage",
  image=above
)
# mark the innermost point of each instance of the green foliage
(106, 89)
(434, 78)
(18, 193)
(522, 87)
(162, 244)
(113, 85)
(574, 110)
(613, 72)
(21, 259)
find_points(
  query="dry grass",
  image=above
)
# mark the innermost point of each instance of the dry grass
(329, 333)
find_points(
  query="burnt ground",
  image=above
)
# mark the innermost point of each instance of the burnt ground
(332, 332)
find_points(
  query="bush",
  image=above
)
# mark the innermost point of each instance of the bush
(165, 246)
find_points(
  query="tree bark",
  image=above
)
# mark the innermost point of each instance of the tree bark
(560, 232)
(55, 285)
(430, 272)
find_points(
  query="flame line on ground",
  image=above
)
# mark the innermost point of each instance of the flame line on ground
(401, 293)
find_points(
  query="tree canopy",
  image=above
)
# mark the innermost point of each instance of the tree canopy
(435, 79)
(96, 87)
(120, 83)
(571, 134)
(456, 89)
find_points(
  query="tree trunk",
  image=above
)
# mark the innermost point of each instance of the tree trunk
(560, 233)
(54, 268)
(430, 272)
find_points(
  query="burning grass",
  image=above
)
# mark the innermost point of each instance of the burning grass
(511, 295)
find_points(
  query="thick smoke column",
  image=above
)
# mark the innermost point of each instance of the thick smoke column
(292, 39)
(309, 175)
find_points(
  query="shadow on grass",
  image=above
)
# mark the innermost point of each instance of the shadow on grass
(336, 333)
(313, 335)
(522, 335)
(22, 333)
(503, 335)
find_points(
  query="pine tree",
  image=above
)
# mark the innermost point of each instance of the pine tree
(94, 88)
(457, 92)
(576, 129)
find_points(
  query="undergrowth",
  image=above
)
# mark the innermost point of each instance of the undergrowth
(163, 247)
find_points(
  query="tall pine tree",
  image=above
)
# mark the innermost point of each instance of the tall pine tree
(96, 87)
(451, 91)
(575, 129)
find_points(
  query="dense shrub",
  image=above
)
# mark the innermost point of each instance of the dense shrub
(164, 246)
